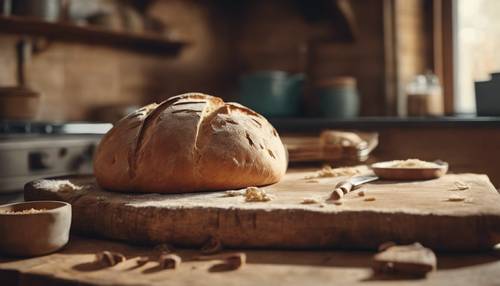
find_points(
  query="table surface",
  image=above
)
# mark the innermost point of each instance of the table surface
(74, 266)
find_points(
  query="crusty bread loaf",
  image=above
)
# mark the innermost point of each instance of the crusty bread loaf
(191, 142)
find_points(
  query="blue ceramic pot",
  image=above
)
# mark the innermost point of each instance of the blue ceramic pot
(338, 101)
(272, 93)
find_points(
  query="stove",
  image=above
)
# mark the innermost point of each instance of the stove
(32, 150)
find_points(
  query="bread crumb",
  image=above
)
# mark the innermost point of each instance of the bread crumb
(321, 205)
(361, 193)
(338, 203)
(233, 193)
(460, 186)
(312, 181)
(329, 172)
(308, 201)
(456, 198)
(369, 199)
(27, 211)
(254, 194)
(413, 163)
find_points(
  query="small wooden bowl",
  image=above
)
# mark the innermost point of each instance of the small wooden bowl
(32, 233)
(384, 171)
(18, 103)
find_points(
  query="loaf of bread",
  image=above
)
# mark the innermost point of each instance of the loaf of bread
(188, 143)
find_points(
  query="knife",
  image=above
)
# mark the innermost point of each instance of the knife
(347, 186)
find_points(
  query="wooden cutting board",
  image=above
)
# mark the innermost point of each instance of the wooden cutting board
(403, 212)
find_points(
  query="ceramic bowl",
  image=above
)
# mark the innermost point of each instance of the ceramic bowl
(34, 228)
(384, 171)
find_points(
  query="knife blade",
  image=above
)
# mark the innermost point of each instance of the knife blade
(347, 186)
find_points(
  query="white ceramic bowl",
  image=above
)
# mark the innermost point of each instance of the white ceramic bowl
(31, 233)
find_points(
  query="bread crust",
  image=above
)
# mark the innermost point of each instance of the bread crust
(188, 143)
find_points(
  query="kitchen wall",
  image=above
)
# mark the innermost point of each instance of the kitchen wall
(76, 78)
(225, 38)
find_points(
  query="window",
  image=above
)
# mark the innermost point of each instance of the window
(477, 48)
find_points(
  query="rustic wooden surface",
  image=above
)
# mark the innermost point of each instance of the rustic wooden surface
(74, 266)
(404, 212)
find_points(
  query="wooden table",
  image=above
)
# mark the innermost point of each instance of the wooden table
(74, 266)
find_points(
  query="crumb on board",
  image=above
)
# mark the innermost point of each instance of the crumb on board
(460, 186)
(308, 201)
(233, 193)
(361, 193)
(338, 203)
(370, 199)
(254, 194)
(321, 205)
(456, 198)
(329, 172)
(312, 181)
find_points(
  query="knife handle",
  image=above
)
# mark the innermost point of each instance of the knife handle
(341, 189)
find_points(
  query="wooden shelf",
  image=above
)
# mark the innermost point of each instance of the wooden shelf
(59, 31)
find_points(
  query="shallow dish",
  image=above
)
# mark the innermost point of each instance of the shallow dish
(384, 171)
(34, 228)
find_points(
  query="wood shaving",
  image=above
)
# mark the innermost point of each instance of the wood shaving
(27, 211)
(236, 260)
(329, 172)
(460, 186)
(142, 260)
(308, 201)
(229, 261)
(169, 261)
(456, 198)
(211, 246)
(412, 260)
(369, 199)
(413, 163)
(109, 258)
(254, 194)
